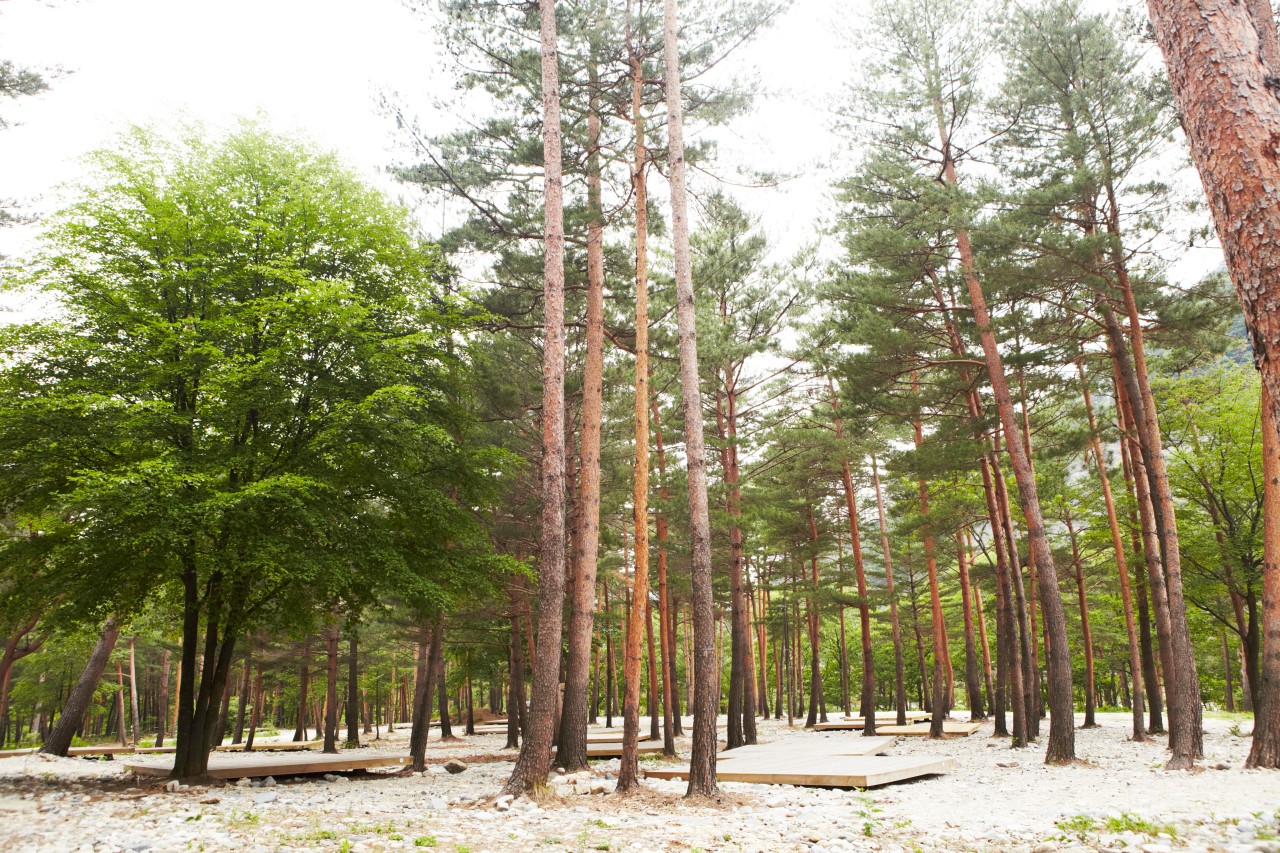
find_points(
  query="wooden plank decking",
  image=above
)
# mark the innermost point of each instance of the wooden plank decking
(885, 719)
(614, 750)
(229, 766)
(273, 746)
(817, 747)
(922, 729)
(831, 771)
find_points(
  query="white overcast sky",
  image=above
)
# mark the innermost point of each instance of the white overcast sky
(316, 66)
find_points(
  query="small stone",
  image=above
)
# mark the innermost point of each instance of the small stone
(1006, 764)
(266, 797)
(172, 786)
(269, 782)
(244, 782)
(502, 806)
(1156, 848)
(455, 766)
(1045, 847)
(210, 801)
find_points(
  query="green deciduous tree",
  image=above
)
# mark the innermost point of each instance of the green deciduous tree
(247, 404)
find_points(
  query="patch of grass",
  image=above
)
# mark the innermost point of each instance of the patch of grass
(243, 819)
(597, 822)
(1077, 825)
(319, 835)
(424, 841)
(395, 836)
(1128, 822)
(345, 846)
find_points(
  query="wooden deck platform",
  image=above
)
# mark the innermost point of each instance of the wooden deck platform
(845, 723)
(227, 766)
(614, 750)
(815, 747)
(922, 729)
(75, 751)
(273, 746)
(15, 753)
(611, 736)
(830, 771)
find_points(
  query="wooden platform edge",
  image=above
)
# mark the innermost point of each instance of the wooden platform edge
(282, 768)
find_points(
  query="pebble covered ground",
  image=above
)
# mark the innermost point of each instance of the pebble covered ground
(1116, 797)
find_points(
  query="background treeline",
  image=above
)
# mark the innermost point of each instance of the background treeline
(972, 449)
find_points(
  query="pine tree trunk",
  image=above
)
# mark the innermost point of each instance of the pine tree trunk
(1117, 546)
(534, 762)
(629, 768)
(120, 725)
(867, 696)
(1223, 61)
(734, 737)
(300, 733)
(446, 722)
(935, 608)
(1138, 534)
(702, 765)
(353, 691)
(972, 681)
(1061, 746)
(515, 671)
(666, 610)
(986, 650)
(1017, 599)
(255, 718)
(899, 669)
(423, 700)
(162, 712)
(1090, 695)
(1008, 645)
(1229, 698)
(331, 690)
(59, 739)
(1186, 727)
(133, 694)
(1265, 751)
(242, 702)
(571, 749)
(1142, 456)
(814, 621)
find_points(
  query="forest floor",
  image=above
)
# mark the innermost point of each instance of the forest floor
(996, 799)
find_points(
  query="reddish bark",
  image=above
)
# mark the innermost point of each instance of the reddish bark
(867, 698)
(535, 754)
(972, 682)
(702, 764)
(1265, 751)
(935, 604)
(1117, 546)
(900, 691)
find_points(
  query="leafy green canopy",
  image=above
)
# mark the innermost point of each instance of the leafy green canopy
(254, 373)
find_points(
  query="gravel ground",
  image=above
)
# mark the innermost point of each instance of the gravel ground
(997, 799)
